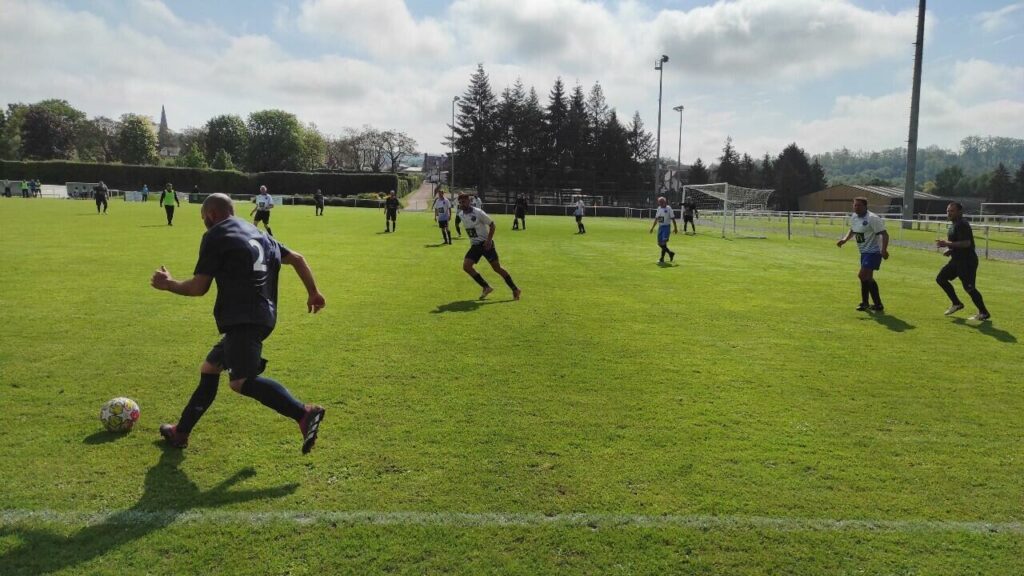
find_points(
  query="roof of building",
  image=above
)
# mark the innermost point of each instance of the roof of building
(888, 191)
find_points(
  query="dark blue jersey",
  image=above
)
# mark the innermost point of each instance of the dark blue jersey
(958, 231)
(245, 263)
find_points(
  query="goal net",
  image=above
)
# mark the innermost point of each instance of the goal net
(737, 211)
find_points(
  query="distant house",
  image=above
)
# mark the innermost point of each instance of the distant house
(881, 200)
(170, 152)
(435, 166)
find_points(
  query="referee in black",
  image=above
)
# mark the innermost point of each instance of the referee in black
(245, 263)
(963, 263)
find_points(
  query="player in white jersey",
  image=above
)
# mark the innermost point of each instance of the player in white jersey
(665, 220)
(480, 229)
(442, 214)
(264, 204)
(578, 213)
(868, 228)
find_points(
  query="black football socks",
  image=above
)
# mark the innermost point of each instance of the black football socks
(510, 283)
(480, 280)
(273, 395)
(201, 400)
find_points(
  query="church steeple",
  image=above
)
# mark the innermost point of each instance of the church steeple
(164, 135)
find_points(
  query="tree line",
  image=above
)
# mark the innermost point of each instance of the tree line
(268, 140)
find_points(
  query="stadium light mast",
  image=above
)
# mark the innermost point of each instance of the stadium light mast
(659, 65)
(451, 162)
(679, 151)
(915, 111)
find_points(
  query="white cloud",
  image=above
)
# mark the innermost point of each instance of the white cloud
(382, 28)
(982, 80)
(998, 20)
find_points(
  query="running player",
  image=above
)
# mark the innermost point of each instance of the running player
(391, 212)
(963, 262)
(318, 201)
(442, 214)
(246, 264)
(867, 227)
(665, 220)
(480, 229)
(264, 204)
(100, 192)
(521, 207)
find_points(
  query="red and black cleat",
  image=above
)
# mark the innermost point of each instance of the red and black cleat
(170, 433)
(309, 425)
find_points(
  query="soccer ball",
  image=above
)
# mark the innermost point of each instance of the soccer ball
(119, 414)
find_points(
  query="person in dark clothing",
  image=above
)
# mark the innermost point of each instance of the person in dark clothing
(100, 192)
(963, 263)
(245, 264)
(318, 201)
(520, 208)
(391, 212)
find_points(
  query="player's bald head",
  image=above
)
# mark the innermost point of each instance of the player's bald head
(220, 204)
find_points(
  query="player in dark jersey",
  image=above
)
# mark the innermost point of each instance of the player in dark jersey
(100, 192)
(521, 207)
(318, 201)
(391, 212)
(963, 262)
(245, 264)
(689, 210)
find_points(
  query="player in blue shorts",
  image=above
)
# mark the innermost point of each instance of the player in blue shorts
(867, 227)
(245, 263)
(665, 220)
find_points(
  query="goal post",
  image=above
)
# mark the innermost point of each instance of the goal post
(740, 212)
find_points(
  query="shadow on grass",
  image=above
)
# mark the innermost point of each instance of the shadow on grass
(889, 321)
(168, 494)
(164, 225)
(466, 305)
(434, 245)
(666, 264)
(102, 437)
(988, 329)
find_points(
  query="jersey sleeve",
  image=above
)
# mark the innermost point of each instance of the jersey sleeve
(878, 224)
(484, 218)
(671, 213)
(284, 249)
(209, 258)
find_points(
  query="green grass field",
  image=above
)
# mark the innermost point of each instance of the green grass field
(731, 414)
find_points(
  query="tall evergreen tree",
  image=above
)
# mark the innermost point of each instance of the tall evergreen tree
(555, 119)
(531, 136)
(792, 178)
(748, 172)
(577, 132)
(1018, 181)
(698, 173)
(641, 142)
(728, 164)
(818, 179)
(1000, 186)
(475, 135)
(767, 172)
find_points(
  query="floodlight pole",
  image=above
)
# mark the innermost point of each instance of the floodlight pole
(679, 152)
(451, 163)
(915, 111)
(659, 65)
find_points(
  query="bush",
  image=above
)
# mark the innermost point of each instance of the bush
(132, 177)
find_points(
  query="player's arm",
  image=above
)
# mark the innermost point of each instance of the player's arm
(675, 226)
(885, 244)
(653, 224)
(316, 300)
(845, 239)
(490, 234)
(197, 285)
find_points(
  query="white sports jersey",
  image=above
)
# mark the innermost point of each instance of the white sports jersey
(264, 201)
(475, 201)
(579, 208)
(664, 216)
(443, 208)
(866, 229)
(477, 224)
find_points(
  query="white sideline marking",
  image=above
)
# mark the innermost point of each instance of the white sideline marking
(499, 519)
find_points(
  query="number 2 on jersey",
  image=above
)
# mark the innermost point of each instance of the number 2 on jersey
(259, 265)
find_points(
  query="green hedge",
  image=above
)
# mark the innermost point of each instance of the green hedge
(131, 177)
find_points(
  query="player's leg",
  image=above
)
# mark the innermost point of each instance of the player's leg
(470, 260)
(866, 277)
(944, 280)
(968, 272)
(201, 400)
(458, 224)
(496, 266)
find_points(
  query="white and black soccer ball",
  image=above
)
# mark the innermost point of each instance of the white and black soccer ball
(119, 414)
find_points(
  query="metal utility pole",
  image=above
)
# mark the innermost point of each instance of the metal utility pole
(915, 111)
(679, 152)
(659, 65)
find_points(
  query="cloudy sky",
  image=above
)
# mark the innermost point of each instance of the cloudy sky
(823, 73)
